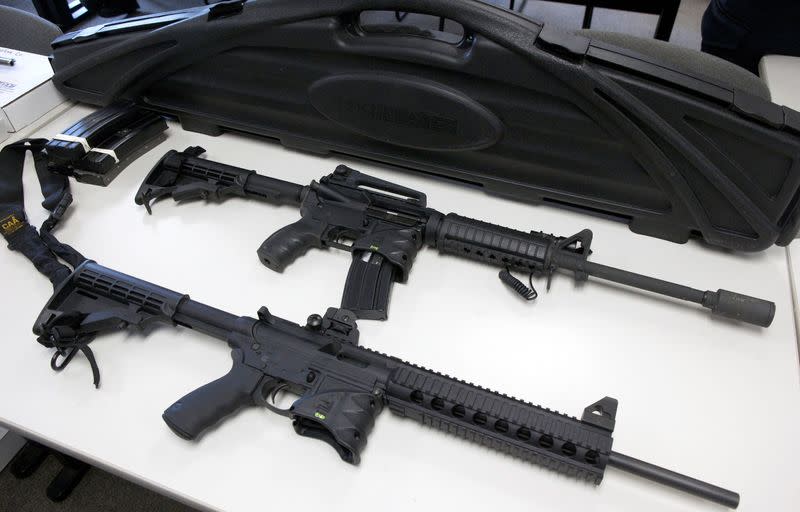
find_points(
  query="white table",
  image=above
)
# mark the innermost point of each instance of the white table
(707, 397)
(782, 75)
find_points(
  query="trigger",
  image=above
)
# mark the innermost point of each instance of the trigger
(266, 396)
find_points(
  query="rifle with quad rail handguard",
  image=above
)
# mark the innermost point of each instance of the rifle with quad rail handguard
(342, 387)
(388, 223)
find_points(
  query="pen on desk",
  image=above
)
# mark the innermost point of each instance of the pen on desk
(8, 61)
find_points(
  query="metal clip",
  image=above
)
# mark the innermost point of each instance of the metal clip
(66, 353)
(58, 212)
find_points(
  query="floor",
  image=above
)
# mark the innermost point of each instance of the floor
(101, 491)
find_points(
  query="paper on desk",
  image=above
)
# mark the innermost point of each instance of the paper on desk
(29, 71)
(26, 91)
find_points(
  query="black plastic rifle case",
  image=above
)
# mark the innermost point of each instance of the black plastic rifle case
(674, 142)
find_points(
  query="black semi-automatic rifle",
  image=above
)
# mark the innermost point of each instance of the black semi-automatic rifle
(387, 224)
(342, 386)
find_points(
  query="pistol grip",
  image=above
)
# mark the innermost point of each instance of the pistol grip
(205, 406)
(290, 242)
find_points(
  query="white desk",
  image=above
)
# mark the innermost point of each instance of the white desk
(706, 397)
(782, 75)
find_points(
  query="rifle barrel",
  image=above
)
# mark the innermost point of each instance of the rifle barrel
(675, 480)
(721, 302)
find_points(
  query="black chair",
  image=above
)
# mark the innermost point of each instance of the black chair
(64, 13)
(27, 32)
(666, 10)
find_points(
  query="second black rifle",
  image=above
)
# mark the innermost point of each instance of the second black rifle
(341, 386)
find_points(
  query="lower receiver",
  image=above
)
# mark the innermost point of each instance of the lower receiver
(342, 386)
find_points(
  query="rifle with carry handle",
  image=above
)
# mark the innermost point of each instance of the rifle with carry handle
(386, 224)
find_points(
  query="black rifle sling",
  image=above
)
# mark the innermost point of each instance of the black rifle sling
(41, 247)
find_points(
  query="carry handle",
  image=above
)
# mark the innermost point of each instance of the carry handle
(396, 28)
(503, 27)
(475, 16)
(480, 23)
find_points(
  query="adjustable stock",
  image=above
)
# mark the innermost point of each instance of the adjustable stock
(184, 176)
(95, 299)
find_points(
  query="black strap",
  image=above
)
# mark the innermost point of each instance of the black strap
(41, 247)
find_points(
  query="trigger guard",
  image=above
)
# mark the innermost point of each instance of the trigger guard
(267, 392)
